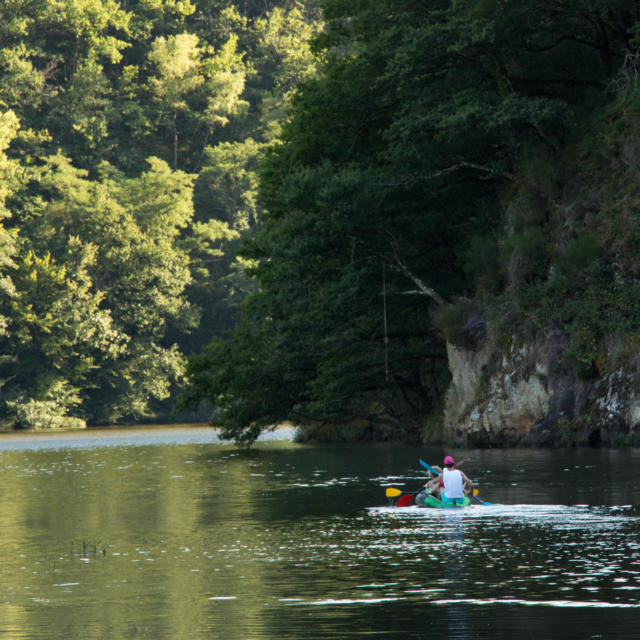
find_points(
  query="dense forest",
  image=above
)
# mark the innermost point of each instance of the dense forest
(454, 168)
(285, 210)
(130, 135)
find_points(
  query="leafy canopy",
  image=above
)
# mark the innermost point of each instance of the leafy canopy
(391, 167)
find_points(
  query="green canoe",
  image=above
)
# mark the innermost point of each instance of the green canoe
(433, 502)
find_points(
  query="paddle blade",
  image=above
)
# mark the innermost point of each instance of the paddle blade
(483, 502)
(405, 500)
(392, 492)
(428, 466)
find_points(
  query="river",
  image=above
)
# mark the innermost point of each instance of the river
(172, 534)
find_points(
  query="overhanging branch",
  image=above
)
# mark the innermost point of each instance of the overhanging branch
(400, 266)
(489, 173)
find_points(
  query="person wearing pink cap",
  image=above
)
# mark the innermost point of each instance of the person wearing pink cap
(451, 484)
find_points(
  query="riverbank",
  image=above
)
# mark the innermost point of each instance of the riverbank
(138, 435)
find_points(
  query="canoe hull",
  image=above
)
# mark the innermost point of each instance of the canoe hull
(433, 503)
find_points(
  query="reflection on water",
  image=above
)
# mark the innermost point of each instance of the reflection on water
(453, 572)
(150, 534)
(535, 550)
(118, 437)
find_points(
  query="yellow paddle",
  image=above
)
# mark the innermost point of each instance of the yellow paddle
(404, 500)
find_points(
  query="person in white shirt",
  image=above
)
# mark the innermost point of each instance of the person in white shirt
(451, 484)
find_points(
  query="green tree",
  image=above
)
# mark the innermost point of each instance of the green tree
(11, 177)
(57, 337)
(48, 313)
(132, 229)
(98, 87)
(283, 58)
(393, 160)
(213, 84)
(225, 200)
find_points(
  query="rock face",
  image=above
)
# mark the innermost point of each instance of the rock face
(523, 398)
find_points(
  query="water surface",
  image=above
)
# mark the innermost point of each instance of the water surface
(171, 534)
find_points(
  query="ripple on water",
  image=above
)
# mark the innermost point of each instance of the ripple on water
(586, 604)
(245, 541)
(538, 551)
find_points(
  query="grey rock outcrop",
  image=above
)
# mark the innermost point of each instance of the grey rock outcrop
(521, 397)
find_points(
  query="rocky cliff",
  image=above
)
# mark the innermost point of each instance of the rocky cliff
(522, 397)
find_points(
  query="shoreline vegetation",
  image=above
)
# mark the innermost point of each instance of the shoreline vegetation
(130, 139)
(192, 433)
(382, 221)
(479, 203)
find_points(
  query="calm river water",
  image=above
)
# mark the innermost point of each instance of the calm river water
(170, 534)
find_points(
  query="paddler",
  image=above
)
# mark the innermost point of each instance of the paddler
(451, 484)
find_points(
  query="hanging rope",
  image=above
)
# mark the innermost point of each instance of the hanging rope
(384, 313)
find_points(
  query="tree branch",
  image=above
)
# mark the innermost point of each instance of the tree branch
(489, 171)
(401, 267)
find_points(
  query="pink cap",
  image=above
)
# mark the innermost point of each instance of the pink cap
(448, 460)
